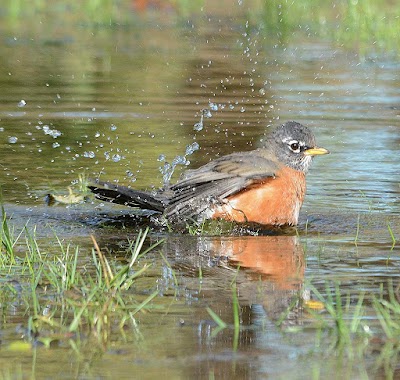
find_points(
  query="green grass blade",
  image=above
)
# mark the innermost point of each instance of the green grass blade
(221, 324)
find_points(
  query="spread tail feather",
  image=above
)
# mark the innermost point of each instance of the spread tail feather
(122, 195)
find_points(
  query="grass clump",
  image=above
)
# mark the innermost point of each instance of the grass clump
(350, 330)
(345, 320)
(8, 241)
(64, 299)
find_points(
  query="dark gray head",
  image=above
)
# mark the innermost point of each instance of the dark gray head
(294, 145)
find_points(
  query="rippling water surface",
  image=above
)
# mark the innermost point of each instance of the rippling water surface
(111, 102)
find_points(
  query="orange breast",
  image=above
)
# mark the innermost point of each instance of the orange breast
(276, 201)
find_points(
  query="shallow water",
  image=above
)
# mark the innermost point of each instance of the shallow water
(109, 102)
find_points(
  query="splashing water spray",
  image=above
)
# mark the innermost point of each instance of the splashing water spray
(167, 170)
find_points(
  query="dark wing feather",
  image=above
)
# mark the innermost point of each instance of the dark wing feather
(110, 192)
(216, 181)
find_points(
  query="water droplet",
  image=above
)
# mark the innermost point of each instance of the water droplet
(207, 113)
(190, 149)
(179, 160)
(12, 139)
(213, 106)
(55, 145)
(89, 154)
(51, 132)
(116, 157)
(113, 127)
(161, 157)
(166, 170)
(97, 134)
(198, 126)
(22, 103)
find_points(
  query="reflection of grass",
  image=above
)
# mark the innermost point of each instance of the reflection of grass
(366, 25)
(103, 13)
(391, 236)
(221, 325)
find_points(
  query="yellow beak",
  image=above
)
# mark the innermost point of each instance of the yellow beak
(316, 151)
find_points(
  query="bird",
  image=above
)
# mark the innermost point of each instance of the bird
(265, 186)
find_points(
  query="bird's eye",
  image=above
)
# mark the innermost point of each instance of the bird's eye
(295, 146)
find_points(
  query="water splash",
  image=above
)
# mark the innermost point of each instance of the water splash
(167, 170)
(116, 157)
(213, 106)
(205, 113)
(130, 175)
(51, 132)
(191, 148)
(199, 126)
(89, 154)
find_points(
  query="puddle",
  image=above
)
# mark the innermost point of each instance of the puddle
(108, 104)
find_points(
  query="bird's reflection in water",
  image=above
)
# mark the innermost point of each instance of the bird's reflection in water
(268, 270)
(278, 259)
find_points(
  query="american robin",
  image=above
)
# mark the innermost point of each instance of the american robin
(264, 186)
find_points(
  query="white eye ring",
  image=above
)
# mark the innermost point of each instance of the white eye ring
(294, 145)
